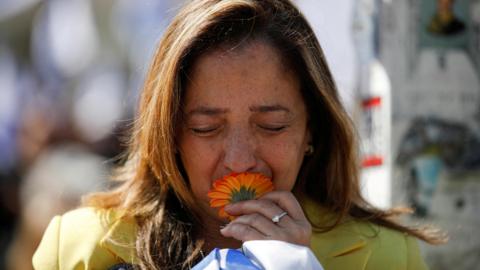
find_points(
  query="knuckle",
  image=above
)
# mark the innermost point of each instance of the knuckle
(255, 218)
(248, 220)
(265, 203)
(241, 204)
(240, 229)
(290, 196)
(285, 194)
(246, 230)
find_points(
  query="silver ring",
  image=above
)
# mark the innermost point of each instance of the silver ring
(277, 218)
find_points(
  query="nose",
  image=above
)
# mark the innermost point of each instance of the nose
(239, 152)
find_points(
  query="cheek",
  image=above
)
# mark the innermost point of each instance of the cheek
(284, 157)
(200, 188)
(199, 160)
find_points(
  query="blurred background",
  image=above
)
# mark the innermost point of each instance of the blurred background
(407, 71)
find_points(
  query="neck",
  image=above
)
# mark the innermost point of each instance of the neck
(210, 232)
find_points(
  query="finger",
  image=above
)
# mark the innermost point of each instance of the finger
(261, 224)
(242, 232)
(263, 206)
(286, 200)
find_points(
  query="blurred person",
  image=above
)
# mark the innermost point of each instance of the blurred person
(53, 184)
(236, 87)
(444, 22)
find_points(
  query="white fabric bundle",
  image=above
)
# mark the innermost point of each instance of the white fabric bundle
(261, 255)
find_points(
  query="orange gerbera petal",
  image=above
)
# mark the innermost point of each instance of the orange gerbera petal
(223, 214)
(264, 188)
(229, 183)
(237, 187)
(218, 195)
(232, 182)
(248, 179)
(221, 187)
(218, 202)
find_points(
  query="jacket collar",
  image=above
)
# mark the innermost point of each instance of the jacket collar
(353, 256)
(344, 246)
(121, 237)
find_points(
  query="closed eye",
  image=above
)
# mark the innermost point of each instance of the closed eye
(273, 129)
(204, 131)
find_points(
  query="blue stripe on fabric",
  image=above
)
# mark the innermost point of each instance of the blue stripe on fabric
(236, 260)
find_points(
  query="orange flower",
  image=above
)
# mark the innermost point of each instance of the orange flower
(237, 187)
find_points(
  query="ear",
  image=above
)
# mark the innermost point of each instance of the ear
(308, 143)
(308, 137)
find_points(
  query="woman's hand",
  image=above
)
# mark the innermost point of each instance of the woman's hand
(254, 221)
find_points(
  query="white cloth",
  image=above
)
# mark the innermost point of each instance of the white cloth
(261, 255)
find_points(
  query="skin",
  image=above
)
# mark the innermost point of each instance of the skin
(244, 113)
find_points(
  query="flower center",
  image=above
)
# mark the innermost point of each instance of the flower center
(243, 194)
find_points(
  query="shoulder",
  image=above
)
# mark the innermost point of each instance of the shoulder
(86, 237)
(356, 244)
(363, 245)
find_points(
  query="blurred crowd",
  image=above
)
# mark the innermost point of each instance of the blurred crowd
(70, 73)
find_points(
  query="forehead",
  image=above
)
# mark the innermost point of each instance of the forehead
(255, 70)
(254, 48)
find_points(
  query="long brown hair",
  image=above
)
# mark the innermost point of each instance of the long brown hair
(154, 189)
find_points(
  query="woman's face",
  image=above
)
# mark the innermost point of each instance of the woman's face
(243, 112)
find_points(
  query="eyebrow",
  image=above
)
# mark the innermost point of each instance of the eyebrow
(269, 108)
(207, 111)
(203, 110)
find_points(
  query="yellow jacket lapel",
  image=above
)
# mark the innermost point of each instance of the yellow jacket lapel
(120, 239)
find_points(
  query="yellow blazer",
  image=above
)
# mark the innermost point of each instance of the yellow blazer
(89, 238)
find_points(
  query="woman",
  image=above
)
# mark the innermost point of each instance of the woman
(235, 86)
